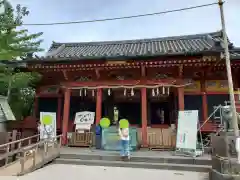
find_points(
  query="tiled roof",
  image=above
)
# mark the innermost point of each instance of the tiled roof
(143, 47)
(235, 53)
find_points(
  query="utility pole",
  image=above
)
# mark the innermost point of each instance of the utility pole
(229, 72)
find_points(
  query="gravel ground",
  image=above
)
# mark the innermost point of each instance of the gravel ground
(76, 172)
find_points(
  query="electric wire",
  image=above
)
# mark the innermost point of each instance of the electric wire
(120, 18)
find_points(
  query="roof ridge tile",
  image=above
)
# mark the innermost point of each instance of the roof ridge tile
(139, 47)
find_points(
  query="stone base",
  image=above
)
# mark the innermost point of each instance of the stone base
(224, 145)
(226, 166)
(215, 175)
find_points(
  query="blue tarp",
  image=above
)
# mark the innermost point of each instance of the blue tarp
(111, 139)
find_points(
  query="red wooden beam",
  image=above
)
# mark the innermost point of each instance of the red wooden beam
(122, 82)
(50, 95)
(94, 64)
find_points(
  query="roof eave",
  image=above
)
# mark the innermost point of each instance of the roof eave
(66, 59)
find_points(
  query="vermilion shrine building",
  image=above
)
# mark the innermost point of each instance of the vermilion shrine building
(146, 79)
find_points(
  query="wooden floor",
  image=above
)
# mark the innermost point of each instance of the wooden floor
(14, 169)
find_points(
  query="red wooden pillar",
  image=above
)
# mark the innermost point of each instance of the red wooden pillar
(59, 109)
(144, 116)
(204, 100)
(98, 105)
(180, 93)
(181, 99)
(180, 90)
(66, 109)
(204, 106)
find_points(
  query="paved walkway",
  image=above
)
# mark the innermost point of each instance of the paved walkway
(76, 172)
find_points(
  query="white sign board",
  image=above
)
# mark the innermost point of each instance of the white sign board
(48, 125)
(84, 119)
(187, 129)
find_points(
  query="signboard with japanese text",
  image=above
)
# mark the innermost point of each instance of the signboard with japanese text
(84, 120)
(187, 130)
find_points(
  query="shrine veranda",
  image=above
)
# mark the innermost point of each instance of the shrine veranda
(148, 80)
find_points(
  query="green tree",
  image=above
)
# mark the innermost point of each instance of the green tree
(20, 89)
(17, 44)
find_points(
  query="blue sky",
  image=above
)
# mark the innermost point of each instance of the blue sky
(181, 23)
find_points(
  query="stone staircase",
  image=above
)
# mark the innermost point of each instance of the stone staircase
(167, 162)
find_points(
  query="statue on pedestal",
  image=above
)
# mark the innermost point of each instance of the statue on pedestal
(227, 118)
(115, 115)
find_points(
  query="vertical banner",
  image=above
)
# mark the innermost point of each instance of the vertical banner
(187, 130)
(48, 125)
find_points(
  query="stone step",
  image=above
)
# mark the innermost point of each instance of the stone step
(144, 159)
(145, 165)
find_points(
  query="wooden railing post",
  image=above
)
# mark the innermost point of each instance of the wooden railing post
(43, 152)
(29, 141)
(34, 158)
(60, 142)
(13, 145)
(23, 162)
(45, 148)
(7, 151)
(19, 144)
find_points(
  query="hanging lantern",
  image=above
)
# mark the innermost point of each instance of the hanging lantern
(153, 92)
(163, 90)
(168, 90)
(125, 92)
(109, 92)
(85, 92)
(132, 92)
(93, 93)
(157, 91)
(80, 92)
